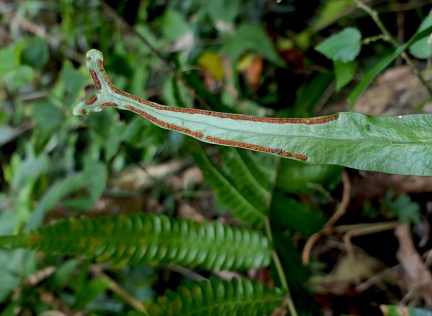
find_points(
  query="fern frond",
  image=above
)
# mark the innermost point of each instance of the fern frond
(216, 297)
(241, 207)
(151, 239)
(264, 168)
(241, 177)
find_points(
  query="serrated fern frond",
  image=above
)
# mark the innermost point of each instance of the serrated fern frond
(151, 239)
(216, 297)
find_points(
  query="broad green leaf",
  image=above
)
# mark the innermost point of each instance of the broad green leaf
(344, 73)
(343, 46)
(422, 49)
(392, 144)
(252, 38)
(370, 76)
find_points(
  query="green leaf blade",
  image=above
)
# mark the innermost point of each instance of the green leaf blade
(241, 207)
(344, 73)
(394, 144)
(423, 48)
(343, 46)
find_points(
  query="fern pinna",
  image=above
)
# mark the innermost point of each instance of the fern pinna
(215, 297)
(151, 239)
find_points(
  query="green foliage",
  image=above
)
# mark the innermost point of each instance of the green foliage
(296, 216)
(215, 297)
(251, 38)
(234, 197)
(296, 177)
(156, 240)
(384, 62)
(173, 25)
(402, 207)
(54, 165)
(225, 10)
(423, 48)
(92, 180)
(343, 46)
(35, 52)
(14, 74)
(344, 73)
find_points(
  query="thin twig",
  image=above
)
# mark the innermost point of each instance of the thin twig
(336, 215)
(154, 51)
(117, 289)
(387, 36)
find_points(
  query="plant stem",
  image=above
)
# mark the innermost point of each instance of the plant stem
(387, 36)
(117, 289)
(280, 272)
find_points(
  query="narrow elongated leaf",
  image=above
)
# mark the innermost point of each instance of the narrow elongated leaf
(264, 168)
(242, 208)
(394, 144)
(215, 297)
(295, 215)
(242, 178)
(150, 239)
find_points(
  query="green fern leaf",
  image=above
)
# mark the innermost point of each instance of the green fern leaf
(242, 177)
(216, 297)
(150, 239)
(264, 168)
(228, 193)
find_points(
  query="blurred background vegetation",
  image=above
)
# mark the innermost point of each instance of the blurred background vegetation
(243, 56)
